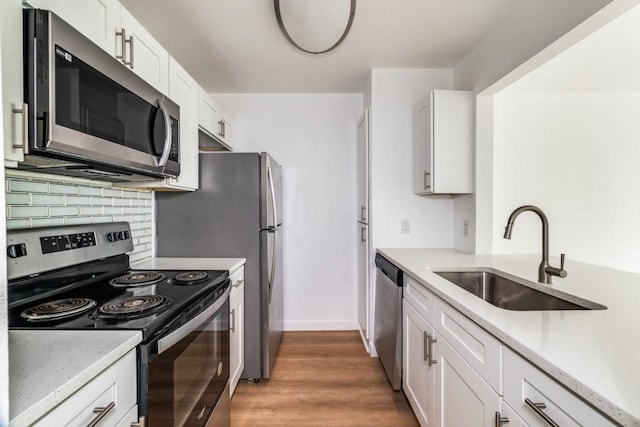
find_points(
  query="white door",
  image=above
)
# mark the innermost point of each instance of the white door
(364, 248)
(465, 398)
(418, 375)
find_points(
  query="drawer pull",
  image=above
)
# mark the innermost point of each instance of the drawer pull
(238, 283)
(431, 340)
(233, 321)
(101, 412)
(500, 420)
(538, 409)
(425, 347)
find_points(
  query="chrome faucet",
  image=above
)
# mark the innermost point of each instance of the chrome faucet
(545, 270)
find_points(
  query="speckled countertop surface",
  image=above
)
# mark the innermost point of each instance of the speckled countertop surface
(46, 367)
(596, 354)
(161, 263)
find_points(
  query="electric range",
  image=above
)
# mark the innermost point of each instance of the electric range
(79, 278)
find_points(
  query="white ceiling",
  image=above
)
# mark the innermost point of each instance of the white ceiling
(236, 45)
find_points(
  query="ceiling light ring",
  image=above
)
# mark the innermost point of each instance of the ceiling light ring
(352, 13)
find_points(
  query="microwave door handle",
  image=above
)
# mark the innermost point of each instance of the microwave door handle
(167, 137)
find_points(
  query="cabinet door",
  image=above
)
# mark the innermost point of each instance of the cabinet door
(98, 20)
(465, 398)
(236, 339)
(418, 375)
(362, 167)
(422, 146)
(183, 90)
(363, 282)
(148, 58)
(11, 74)
(524, 382)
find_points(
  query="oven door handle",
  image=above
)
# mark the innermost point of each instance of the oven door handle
(167, 342)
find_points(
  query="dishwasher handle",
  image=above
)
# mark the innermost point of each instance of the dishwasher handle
(390, 270)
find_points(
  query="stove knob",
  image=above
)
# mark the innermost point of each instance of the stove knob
(112, 237)
(123, 235)
(17, 251)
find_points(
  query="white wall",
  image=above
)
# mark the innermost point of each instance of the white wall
(576, 156)
(313, 136)
(394, 92)
(531, 26)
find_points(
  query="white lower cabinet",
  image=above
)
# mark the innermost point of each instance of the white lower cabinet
(110, 396)
(419, 377)
(236, 328)
(526, 387)
(456, 374)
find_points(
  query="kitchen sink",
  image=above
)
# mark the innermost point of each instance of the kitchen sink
(511, 293)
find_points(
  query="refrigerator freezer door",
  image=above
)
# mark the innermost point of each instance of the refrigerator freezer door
(271, 185)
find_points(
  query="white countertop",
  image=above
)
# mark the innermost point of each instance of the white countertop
(596, 354)
(160, 263)
(45, 368)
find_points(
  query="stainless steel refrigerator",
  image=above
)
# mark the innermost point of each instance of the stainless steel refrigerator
(236, 212)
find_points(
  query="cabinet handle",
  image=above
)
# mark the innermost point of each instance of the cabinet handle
(500, 420)
(123, 47)
(238, 283)
(233, 320)
(425, 347)
(363, 210)
(25, 125)
(431, 340)
(222, 132)
(102, 412)
(426, 186)
(363, 234)
(538, 409)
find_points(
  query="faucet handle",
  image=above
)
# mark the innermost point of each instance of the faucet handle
(562, 272)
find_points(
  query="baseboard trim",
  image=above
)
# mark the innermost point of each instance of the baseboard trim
(321, 325)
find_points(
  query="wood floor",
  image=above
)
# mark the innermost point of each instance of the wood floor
(322, 379)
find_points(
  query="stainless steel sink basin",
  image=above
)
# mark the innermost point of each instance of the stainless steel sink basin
(511, 293)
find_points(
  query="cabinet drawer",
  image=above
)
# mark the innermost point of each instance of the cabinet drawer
(420, 298)
(525, 381)
(237, 281)
(117, 385)
(477, 347)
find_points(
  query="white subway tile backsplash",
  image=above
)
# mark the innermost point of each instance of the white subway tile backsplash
(17, 223)
(90, 191)
(28, 211)
(47, 200)
(45, 222)
(62, 189)
(63, 210)
(80, 201)
(35, 200)
(27, 186)
(90, 210)
(17, 199)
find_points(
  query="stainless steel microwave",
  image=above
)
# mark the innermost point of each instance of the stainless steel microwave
(88, 115)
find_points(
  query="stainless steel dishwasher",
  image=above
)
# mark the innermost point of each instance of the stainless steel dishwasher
(388, 319)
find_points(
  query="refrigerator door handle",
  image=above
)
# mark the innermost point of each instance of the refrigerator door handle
(274, 259)
(273, 196)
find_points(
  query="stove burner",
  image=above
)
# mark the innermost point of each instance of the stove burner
(190, 278)
(138, 278)
(58, 309)
(137, 306)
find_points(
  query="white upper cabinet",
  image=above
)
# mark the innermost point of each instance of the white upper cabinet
(142, 53)
(214, 122)
(443, 143)
(183, 90)
(13, 115)
(109, 25)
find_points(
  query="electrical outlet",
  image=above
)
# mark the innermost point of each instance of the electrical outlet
(465, 228)
(405, 226)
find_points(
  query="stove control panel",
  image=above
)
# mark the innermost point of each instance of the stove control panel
(67, 242)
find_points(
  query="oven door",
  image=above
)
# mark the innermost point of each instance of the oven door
(186, 371)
